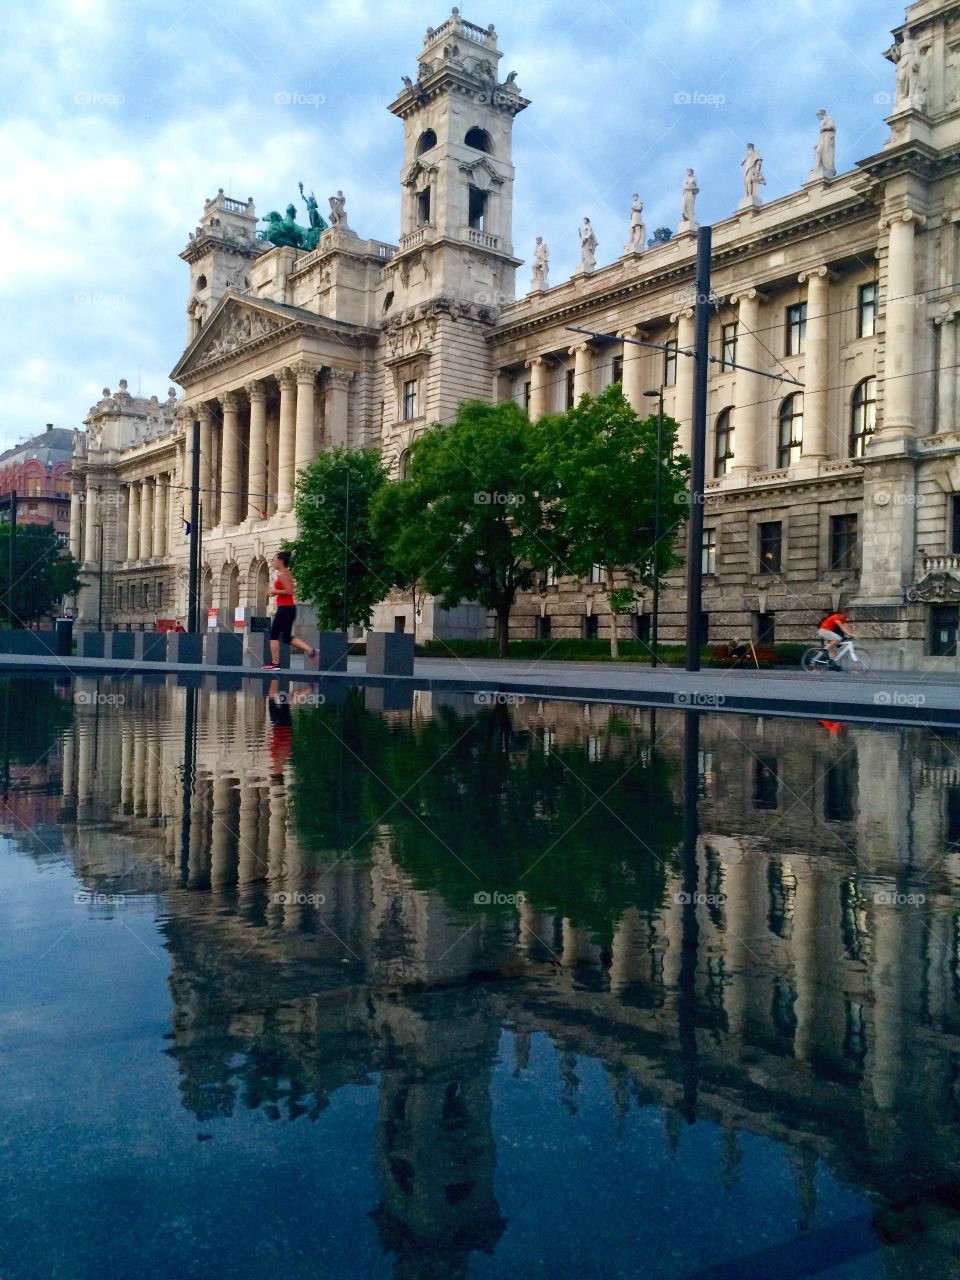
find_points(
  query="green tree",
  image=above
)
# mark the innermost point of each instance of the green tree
(335, 542)
(43, 573)
(470, 521)
(602, 460)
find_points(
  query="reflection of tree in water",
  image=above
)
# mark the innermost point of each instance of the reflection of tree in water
(33, 715)
(475, 804)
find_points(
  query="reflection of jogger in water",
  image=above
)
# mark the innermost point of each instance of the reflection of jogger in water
(281, 733)
(282, 626)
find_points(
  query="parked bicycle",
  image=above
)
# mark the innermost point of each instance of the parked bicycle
(854, 661)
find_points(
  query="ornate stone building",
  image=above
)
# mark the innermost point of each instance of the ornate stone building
(38, 472)
(842, 489)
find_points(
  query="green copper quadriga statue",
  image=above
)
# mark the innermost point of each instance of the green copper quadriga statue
(285, 230)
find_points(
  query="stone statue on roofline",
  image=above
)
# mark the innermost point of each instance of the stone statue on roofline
(636, 241)
(541, 266)
(753, 179)
(825, 153)
(588, 247)
(688, 204)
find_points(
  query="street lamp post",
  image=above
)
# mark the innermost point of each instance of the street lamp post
(655, 618)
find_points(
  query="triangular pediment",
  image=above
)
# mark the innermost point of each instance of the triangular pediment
(234, 325)
(481, 165)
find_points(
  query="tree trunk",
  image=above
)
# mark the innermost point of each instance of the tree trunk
(614, 616)
(503, 631)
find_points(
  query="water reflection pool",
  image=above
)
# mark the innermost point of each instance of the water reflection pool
(330, 987)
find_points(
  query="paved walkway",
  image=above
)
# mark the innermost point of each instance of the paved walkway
(901, 697)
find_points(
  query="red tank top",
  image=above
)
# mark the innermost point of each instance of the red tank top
(282, 597)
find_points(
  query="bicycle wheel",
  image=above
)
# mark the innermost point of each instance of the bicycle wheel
(813, 659)
(861, 665)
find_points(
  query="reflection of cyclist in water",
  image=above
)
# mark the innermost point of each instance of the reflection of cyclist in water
(281, 734)
(832, 631)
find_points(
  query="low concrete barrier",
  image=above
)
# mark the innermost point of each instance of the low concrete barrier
(389, 653)
(184, 646)
(150, 646)
(119, 646)
(29, 643)
(91, 644)
(222, 649)
(256, 650)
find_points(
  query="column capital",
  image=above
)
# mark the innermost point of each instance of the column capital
(816, 273)
(287, 378)
(534, 362)
(685, 313)
(256, 390)
(304, 372)
(751, 294)
(341, 376)
(579, 346)
(633, 331)
(204, 412)
(230, 401)
(902, 215)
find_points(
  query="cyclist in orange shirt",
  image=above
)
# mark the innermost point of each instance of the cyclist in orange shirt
(833, 629)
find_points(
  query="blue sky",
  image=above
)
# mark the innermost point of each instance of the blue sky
(119, 117)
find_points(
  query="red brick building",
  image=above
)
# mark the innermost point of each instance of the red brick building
(38, 470)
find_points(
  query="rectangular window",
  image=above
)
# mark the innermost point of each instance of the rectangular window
(704, 628)
(590, 627)
(32, 508)
(550, 577)
(771, 546)
(410, 400)
(766, 782)
(796, 329)
(62, 513)
(526, 395)
(617, 371)
(119, 598)
(728, 347)
(478, 208)
(146, 594)
(569, 395)
(641, 627)
(400, 623)
(843, 543)
(34, 487)
(670, 363)
(423, 208)
(596, 573)
(708, 555)
(955, 523)
(765, 628)
(543, 627)
(159, 595)
(866, 311)
(723, 444)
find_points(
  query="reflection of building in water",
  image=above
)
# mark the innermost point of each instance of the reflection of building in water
(825, 1009)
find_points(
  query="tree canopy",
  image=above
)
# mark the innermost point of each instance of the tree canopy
(43, 573)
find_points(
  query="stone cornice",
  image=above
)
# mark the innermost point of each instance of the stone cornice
(454, 78)
(916, 157)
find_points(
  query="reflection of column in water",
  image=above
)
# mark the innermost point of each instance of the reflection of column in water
(936, 980)
(84, 731)
(127, 738)
(293, 882)
(139, 774)
(152, 768)
(68, 781)
(571, 944)
(631, 949)
(893, 954)
(247, 863)
(198, 875)
(738, 946)
(535, 933)
(276, 843)
(223, 836)
(818, 946)
(884, 809)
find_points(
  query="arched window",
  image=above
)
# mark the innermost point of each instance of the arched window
(479, 139)
(790, 431)
(403, 466)
(201, 282)
(863, 416)
(723, 443)
(426, 140)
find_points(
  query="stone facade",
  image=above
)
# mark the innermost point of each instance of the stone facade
(843, 489)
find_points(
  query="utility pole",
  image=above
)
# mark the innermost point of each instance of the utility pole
(698, 446)
(194, 561)
(346, 558)
(11, 559)
(655, 618)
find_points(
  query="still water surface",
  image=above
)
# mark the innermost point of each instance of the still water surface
(333, 989)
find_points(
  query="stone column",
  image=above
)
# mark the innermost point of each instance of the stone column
(146, 519)
(747, 386)
(683, 393)
(160, 515)
(816, 363)
(133, 520)
(230, 496)
(947, 388)
(286, 453)
(304, 446)
(582, 353)
(123, 521)
(205, 418)
(92, 513)
(900, 342)
(337, 406)
(539, 376)
(257, 482)
(76, 527)
(632, 384)
(502, 386)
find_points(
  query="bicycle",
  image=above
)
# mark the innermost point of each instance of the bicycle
(817, 658)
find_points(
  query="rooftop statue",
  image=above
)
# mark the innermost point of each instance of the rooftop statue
(285, 230)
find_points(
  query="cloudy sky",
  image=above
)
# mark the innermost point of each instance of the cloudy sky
(119, 117)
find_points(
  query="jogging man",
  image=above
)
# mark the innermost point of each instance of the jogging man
(833, 629)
